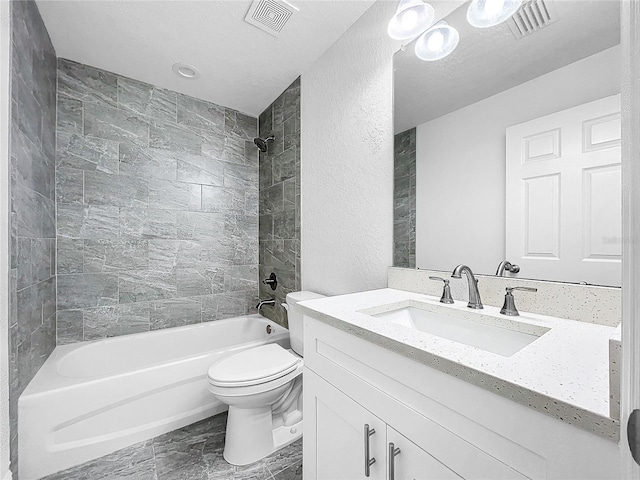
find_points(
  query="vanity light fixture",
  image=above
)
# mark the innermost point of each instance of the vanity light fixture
(487, 13)
(437, 42)
(411, 18)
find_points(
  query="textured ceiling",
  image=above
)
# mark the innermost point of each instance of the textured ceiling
(242, 67)
(489, 61)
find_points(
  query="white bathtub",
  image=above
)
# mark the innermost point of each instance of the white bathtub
(93, 398)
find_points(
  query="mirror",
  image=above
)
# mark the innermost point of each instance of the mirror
(509, 148)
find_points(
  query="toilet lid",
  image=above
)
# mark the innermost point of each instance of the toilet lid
(253, 366)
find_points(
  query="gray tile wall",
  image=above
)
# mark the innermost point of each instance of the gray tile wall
(32, 296)
(157, 207)
(404, 199)
(280, 200)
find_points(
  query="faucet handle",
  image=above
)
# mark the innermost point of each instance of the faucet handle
(439, 278)
(446, 291)
(509, 306)
(272, 281)
(524, 289)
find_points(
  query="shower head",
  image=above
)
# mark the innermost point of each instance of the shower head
(262, 143)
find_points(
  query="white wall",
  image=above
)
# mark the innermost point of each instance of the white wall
(347, 160)
(460, 162)
(347, 157)
(5, 49)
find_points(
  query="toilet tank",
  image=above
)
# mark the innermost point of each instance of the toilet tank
(294, 316)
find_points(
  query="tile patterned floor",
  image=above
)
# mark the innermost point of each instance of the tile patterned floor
(190, 453)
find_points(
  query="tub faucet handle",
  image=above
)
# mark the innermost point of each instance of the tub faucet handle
(272, 281)
(509, 307)
(446, 290)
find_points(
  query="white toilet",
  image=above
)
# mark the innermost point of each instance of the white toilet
(263, 388)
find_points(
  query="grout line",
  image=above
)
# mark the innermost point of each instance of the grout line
(155, 461)
(269, 470)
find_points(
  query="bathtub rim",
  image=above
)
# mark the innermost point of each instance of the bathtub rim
(48, 379)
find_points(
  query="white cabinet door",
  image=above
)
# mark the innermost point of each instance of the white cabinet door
(334, 440)
(413, 463)
(563, 195)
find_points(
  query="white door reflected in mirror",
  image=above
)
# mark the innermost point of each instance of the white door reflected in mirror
(564, 199)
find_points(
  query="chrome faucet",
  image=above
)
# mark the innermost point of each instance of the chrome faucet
(474, 294)
(262, 303)
(508, 266)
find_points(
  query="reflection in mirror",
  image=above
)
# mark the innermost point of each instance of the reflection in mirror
(509, 148)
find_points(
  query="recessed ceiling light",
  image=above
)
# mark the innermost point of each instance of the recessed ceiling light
(186, 71)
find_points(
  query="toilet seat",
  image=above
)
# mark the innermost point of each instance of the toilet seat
(254, 366)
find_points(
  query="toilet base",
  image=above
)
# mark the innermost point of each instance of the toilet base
(251, 437)
(283, 436)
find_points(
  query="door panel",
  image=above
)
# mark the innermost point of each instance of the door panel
(602, 212)
(542, 217)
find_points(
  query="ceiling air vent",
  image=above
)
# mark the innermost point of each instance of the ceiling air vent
(270, 15)
(532, 16)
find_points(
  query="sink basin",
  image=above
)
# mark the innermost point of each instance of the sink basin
(504, 337)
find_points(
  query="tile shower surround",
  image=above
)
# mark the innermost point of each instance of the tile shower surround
(32, 286)
(404, 199)
(280, 200)
(157, 207)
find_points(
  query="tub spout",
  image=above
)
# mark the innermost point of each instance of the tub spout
(262, 303)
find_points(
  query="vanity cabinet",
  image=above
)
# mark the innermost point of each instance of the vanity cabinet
(339, 425)
(348, 438)
(445, 428)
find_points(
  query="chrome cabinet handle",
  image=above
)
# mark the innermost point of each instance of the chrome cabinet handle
(368, 461)
(393, 452)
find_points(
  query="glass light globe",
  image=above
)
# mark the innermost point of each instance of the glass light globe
(411, 18)
(487, 13)
(437, 42)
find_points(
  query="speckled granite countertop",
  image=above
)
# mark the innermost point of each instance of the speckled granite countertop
(563, 373)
